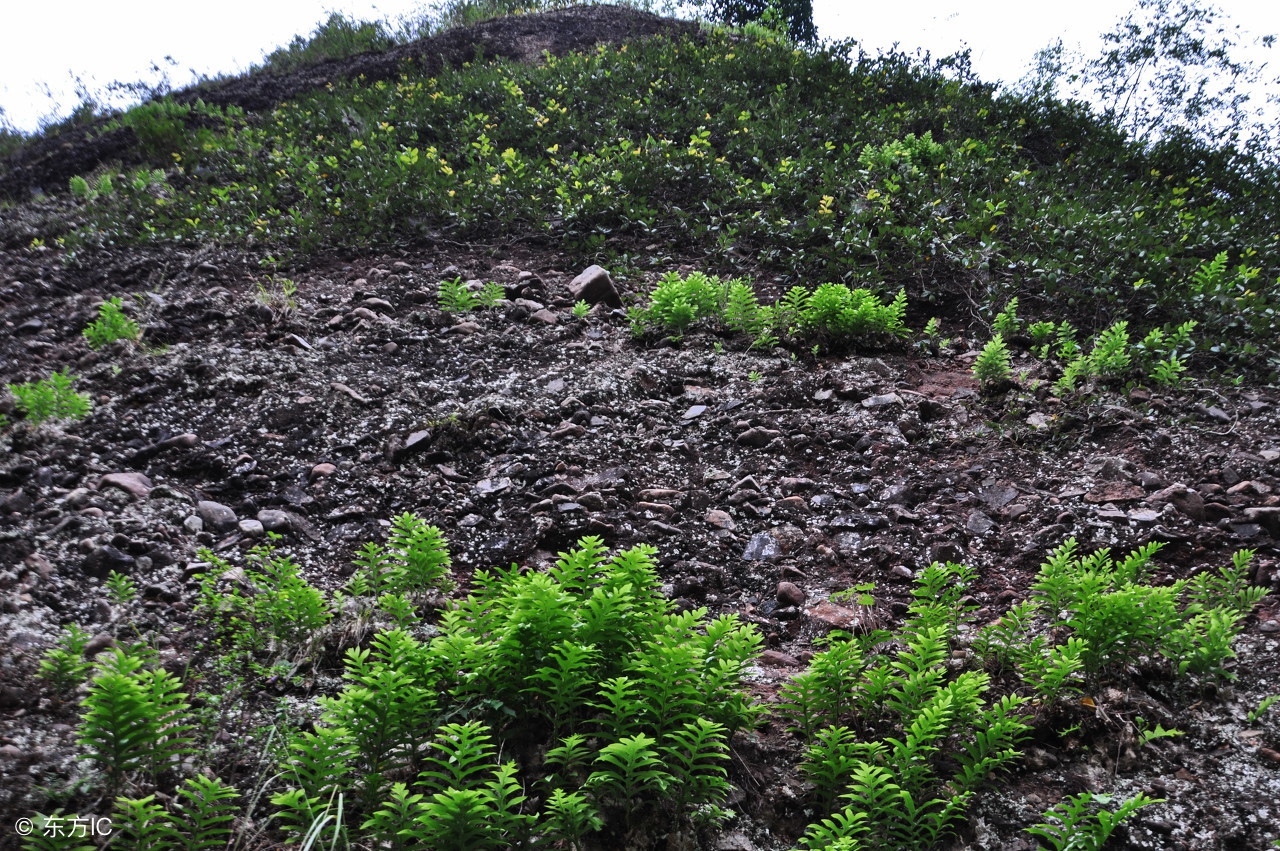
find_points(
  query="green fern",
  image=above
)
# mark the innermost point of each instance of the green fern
(134, 719)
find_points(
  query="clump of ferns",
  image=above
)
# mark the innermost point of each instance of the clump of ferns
(898, 742)
(634, 701)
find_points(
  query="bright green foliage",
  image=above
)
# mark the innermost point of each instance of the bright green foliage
(414, 561)
(581, 309)
(64, 666)
(280, 612)
(590, 645)
(1111, 618)
(144, 824)
(831, 312)
(51, 398)
(1075, 825)
(121, 589)
(1007, 323)
(336, 38)
(876, 723)
(205, 813)
(877, 168)
(135, 719)
(991, 368)
(112, 324)
(1110, 357)
(456, 297)
(1266, 703)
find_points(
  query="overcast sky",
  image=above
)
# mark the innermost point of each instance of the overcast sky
(45, 46)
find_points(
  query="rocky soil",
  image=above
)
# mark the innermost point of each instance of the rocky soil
(767, 481)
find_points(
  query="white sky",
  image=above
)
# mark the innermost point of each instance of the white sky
(45, 45)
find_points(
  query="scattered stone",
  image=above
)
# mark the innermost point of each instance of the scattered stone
(1038, 421)
(321, 471)
(547, 317)
(1267, 517)
(101, 561)
(778, 659)
(828, 616)
(758, 436)
(1144, 515)
(882, 400)
(1151, 481)
(1187, 501)
(595, 286)
(274, 520)
(1114, 492)
(179, 441)
(979, 523)
(339, 387)
(193, 524)
(485, 487)
(660, 495)
(567, 430)
(790, 594)
(694, 412)
(761, 547)
(903, 571)
(216, 516)
(133, 483)
(720, 519)
(998, 496)
(101, 641)
(252, 528)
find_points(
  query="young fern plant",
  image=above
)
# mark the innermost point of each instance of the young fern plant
(63, 666)
(992, 366)
(135, 719)
(1078, 824)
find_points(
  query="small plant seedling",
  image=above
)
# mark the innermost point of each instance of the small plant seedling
(754, 375)
(121, 589)
(51, 398)
(581, 309)
(1267, 703)
(1147, 735)
(111, 325)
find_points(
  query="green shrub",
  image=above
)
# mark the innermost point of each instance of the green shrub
(51, 398)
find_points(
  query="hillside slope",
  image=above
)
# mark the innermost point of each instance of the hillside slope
(812, 472)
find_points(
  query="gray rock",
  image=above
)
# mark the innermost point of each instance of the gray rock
(1180, 497)
(595, 286)
(881, 401)
(274, 520)
(252, 528)
(1267, 517)
(101, 561)
(761, 547)
(193, 524)
(216, 516)
(694, 412)
(979, 523)
(720, 519)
